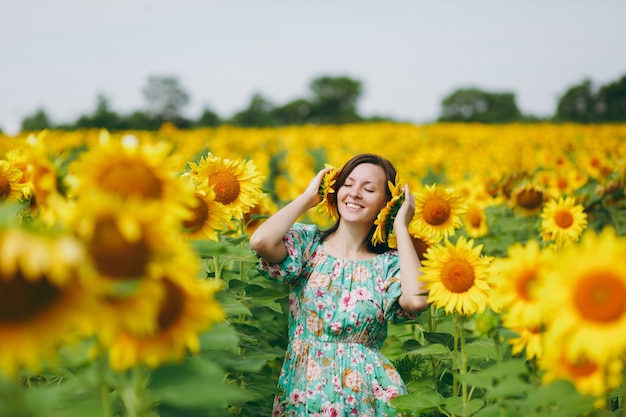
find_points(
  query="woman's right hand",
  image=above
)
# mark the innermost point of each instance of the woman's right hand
(312, 190)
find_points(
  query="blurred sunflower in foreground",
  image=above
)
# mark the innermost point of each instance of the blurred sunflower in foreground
(129, 244)
(517, 278)
(585, 298)
(43, 296)
(187, 308)
(127, 169)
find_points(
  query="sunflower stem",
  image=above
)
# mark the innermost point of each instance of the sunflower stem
(455, 350)
(432, 327)
(105, 397)
(463, 368)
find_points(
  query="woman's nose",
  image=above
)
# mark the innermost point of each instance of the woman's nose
(355, 194)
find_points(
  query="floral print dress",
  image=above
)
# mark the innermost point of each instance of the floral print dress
(338, 315)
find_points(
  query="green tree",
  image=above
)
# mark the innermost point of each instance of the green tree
(611, 101)
(578, 104)
(258, 113)
(208, 118)
(474, 105)
(166, 97)
(139, 120)
(103, 117)
(296, 112)
(335, 100)
(37, 121)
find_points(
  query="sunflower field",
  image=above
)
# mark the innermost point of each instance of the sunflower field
(128, 288)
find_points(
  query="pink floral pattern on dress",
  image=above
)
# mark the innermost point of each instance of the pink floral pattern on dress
(338, 315)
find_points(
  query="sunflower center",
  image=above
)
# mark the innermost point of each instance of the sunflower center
(115, 256)
(225, 185)
(563, 219)
(22, 299)
(524, 283)
(601, 297)
(199, 215)
(474, 217)
(172, 306)
(5, 187)
(457, 276)
(436, 211)
(581, 368)
(129, 179)
(530, 198)
(420, 247)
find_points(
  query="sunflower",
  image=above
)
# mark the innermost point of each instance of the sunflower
(328, 204)
(129, 170)
(41, 296)
(421, 239)
(438, 209)
(528, 197)
(206, 217)
(563, 221)
(254, 218)
(589, 376)
(10, 177)
(237, 184)
(587, 292)
(517, 277)
(188, 308)
(529, 340)
(456, 277)
(475, 219)
(384, 221)
(129, 244)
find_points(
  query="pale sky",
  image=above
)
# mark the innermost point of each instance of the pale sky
(409, 54)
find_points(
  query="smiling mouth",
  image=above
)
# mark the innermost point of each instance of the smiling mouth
(353, 206)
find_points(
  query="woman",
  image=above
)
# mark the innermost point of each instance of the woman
(344, 290)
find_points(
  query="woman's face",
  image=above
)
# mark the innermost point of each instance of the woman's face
(363, 194)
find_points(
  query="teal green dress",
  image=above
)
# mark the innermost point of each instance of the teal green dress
(338, 315)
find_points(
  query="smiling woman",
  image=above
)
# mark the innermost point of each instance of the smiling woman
(345, 289)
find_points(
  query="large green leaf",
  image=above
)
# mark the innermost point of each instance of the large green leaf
(195, 383)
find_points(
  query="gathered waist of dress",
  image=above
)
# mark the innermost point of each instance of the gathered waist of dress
(344, 339)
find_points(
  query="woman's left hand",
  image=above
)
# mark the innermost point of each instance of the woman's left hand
(407, 209)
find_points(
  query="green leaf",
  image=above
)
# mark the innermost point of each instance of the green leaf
(418, 401)
(432, 349)
(220, 337)
(445, 339)
(195, 383)
(484, 349)
(457, 407)
(508, 388)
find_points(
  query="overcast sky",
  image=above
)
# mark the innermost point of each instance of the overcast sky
(409, 54)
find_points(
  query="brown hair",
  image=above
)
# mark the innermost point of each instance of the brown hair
(390, 174)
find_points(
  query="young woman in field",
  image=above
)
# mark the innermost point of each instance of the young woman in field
(344, 291)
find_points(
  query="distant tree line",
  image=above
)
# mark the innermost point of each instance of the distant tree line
(333, 100)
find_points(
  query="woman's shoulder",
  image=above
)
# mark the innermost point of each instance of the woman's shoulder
(306, 232)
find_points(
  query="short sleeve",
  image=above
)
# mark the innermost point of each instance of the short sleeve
(299, 241)
(393, 312)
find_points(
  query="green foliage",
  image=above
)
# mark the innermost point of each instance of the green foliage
(38, 121)
(581, 103)
(474, 105)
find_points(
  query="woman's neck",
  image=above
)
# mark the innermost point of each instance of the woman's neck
(348, 243)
